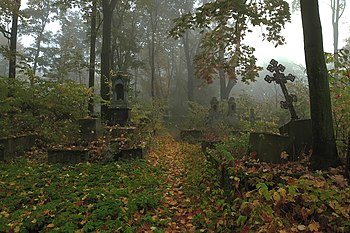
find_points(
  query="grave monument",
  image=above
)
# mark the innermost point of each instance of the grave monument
(296, 136)
(119, 111)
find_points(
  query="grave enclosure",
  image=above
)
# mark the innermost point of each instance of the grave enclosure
(123, 144)
(295, 138)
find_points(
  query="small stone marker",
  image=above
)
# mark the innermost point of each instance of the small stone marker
(281, 79)
(214, 113)
(231, 107)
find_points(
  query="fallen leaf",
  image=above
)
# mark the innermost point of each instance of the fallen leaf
(314, 226)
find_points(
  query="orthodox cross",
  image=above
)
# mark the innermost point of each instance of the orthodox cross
(281, 79)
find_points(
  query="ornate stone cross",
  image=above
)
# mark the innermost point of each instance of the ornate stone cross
(281, 79)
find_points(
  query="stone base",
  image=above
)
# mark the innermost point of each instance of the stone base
(90, 128)
(118, 116)
(129, 153)
(300, 136)
(191, 135)
(10, 146)
(67, 156)
(122, 132)
(268, 147)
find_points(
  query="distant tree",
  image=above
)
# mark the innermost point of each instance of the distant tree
(338, 8)
(38, 14)
(71, 57)
(225, 24)
(324, 153)
(10, 13)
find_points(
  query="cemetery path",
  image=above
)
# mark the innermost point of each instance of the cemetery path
(172, 156)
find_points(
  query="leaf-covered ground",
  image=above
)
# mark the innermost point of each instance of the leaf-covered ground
(175, 189)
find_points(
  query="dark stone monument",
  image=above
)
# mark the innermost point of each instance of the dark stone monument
(296, 138)
(119, 111)
(268, 147)
(281, 79)
(231, 107)
(300, 136)
(90, 128)
(214, 113)
(231, 113)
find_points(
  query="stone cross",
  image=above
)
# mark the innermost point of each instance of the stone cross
(281, 79)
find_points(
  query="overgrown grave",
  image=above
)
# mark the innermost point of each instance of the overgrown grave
(211, 130)
(12, 145)
(126, 141)
(295, 137)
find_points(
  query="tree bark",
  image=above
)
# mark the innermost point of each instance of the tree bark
(324, 153)
(92, 55)
(13, 40)
(154, 16)
(107, 8)
(190, 68)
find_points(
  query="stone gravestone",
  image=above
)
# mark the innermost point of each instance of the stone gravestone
(296, 135)
(251, 117)
(231, 113)
(214, 113)
(281, 79)
(119, 111)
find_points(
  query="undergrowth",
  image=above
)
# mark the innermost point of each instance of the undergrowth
(83, 197)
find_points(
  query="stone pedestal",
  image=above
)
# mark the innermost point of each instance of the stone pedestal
(118, 116)
(268, 147)
(130, 153)
(10, 146)
(191, 135)
(90, 128)
(300, 136)
(67, 156)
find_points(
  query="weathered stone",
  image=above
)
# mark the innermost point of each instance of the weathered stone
(67, 156)
(191, 135)
(123, 132)
(119, 112)
(10, 146)
(268, 147)
(300, 136)
(130, 153)
(90, 128)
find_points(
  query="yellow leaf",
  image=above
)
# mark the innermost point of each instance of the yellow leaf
(284, 155)
(17, 229)
(314, 226)
(276, 196)
(302, 228)
(83, 222)
(51, 225)
(34, 220)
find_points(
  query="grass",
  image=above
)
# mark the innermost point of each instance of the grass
(84, 197)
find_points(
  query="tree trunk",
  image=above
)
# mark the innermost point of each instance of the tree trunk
(13, 40)
(107, 8)
(225, 87)
(92, 55)
(324, 153)
(190, 68)
(152, 52)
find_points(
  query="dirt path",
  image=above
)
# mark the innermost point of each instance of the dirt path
(171, 155)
